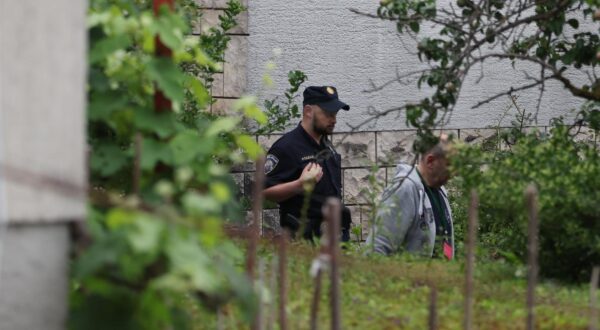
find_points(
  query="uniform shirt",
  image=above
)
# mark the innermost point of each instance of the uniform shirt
(287, 158)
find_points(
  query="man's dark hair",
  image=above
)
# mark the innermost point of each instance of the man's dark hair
(439, 149)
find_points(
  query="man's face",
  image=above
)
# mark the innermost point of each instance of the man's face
(440, 172)
(323, 122)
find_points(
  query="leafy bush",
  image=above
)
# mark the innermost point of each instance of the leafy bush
(160, 179)
(567, 175)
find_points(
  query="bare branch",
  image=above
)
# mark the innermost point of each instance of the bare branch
(556, 73)
(399, 77)
(507, 93)
(542, 89)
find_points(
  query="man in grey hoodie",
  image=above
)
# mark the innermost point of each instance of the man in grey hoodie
(415, 214)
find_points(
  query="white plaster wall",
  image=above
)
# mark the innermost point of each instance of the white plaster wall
(334, 46)
(42, 108)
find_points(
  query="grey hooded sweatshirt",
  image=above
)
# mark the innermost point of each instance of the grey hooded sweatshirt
(405, 219)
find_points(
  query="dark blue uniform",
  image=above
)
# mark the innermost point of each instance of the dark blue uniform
(285, 162)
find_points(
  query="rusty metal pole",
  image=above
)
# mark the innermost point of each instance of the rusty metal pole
(254, 228)
(283, 279)
(314, 308)
(335, 210)
(433, 320)
(531, 200)
(471, 242)
(260, 313)
(272, 314)
(161, 102)
(324, 256)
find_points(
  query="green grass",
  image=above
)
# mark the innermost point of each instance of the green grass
(393, 293)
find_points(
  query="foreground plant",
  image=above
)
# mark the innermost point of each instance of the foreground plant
(160, 179)
(567, 174)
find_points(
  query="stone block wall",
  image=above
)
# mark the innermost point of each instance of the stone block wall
(230, 84)
(360, 152)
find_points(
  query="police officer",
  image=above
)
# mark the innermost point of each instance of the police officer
(305, 155)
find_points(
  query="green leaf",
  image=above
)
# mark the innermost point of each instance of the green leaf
(247, 105)
(103, 252)
(119, 217)
(220, 191)
(154, 151)
(196, 204)
(188, 145)
(163, 124)
(101, 49)
(108, 159)
(168, 76)
(574, 23)
(171, 29)
(199, 91)
(250, 146)
(155, 310)
(256, 113)
(145, 237)
(221, 125)
(414, 26)
(102, 105)
(192, 269)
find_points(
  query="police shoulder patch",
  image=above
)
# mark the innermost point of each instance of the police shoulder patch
(270, 163)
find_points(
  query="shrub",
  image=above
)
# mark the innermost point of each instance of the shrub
(567, 175)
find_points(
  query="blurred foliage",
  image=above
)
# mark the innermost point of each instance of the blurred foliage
(566, 171)
(160, 182)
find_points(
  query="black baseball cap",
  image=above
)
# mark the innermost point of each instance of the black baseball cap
(325, 97)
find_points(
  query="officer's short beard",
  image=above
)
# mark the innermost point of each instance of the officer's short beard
(321, 130)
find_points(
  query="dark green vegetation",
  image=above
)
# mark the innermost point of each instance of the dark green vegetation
(567, 175)
(393, 293)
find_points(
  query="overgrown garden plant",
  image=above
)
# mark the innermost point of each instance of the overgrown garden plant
(160, 185)
(567, 174)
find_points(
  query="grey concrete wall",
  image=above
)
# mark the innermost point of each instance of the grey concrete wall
(34, 273)
(334, 46)
(42, 72)
(42, 156)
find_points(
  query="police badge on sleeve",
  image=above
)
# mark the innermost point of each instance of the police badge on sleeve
(270, 163)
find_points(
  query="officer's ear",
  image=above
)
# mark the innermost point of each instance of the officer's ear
(308, 111)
